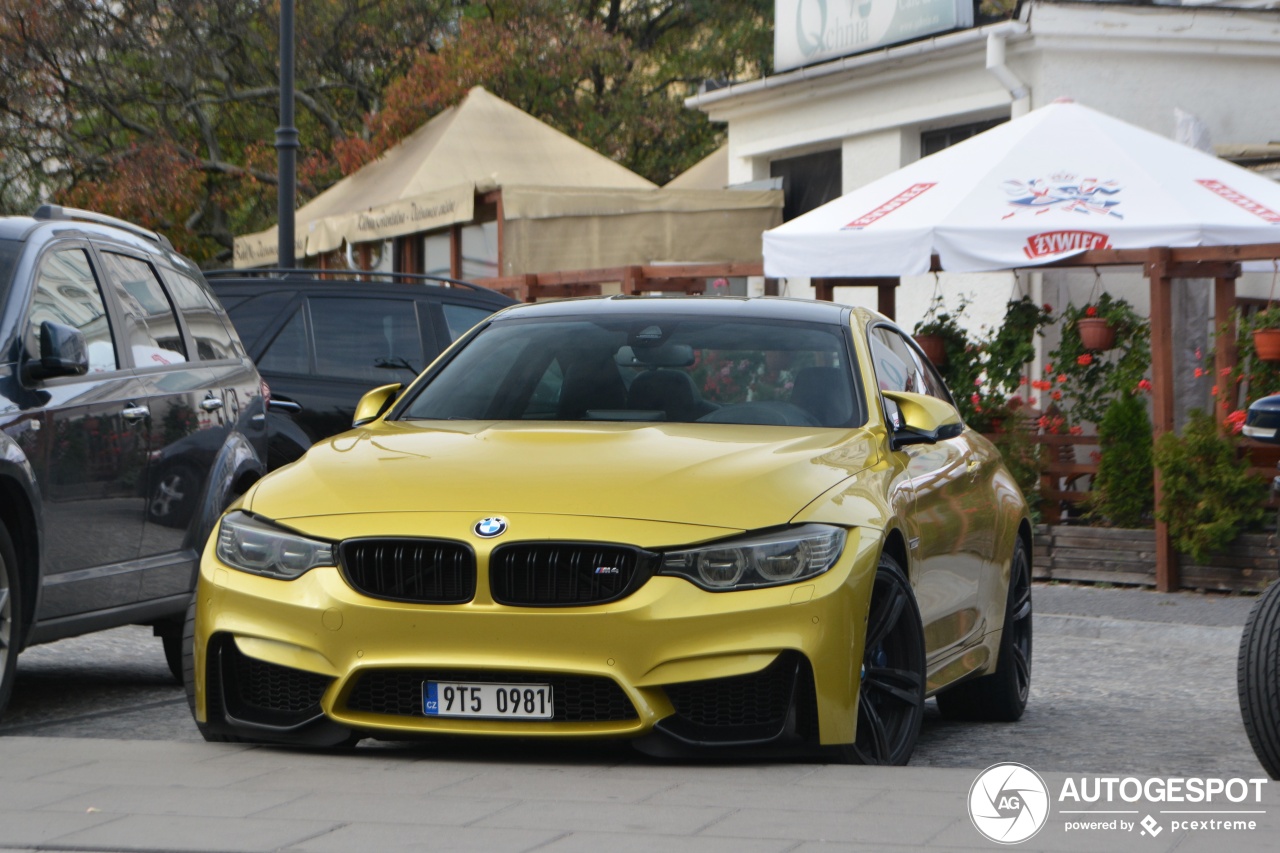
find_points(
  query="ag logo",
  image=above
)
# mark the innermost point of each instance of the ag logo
(1008, 803)
(487, 528)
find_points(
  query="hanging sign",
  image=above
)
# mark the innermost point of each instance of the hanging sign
(809, 31)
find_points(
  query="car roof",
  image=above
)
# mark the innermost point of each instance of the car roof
(745, 308)
(227, 284)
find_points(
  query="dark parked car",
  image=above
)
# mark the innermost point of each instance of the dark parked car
(130, 416)
(321, 342)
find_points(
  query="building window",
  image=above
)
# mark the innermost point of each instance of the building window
(933, 141)
(808, 181)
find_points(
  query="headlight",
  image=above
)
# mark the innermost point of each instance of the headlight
(768, 559)
(253, 546)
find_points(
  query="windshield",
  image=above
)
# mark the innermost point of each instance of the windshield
(648, 368)
(9, 252)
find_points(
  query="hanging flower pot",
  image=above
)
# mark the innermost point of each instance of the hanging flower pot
(934, 348)
(1096, 333)
(1266, 343)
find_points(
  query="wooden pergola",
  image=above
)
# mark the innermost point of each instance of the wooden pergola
(1161, 266)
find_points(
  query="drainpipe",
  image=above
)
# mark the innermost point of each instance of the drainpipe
(996, 65)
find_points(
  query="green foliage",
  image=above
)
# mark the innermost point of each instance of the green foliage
(962, 366)
(1093, 379)
(1123, 492)
(1209, 496)
(1014, 344)
(165, 113)
(1252, 378)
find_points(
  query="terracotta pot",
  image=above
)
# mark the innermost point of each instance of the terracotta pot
(1266, 343)
(934, 348)
(1095, 333)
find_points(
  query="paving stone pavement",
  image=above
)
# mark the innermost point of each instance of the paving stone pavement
(1119, 692)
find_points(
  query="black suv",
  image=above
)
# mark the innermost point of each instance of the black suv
(322, 339)
(130, 416)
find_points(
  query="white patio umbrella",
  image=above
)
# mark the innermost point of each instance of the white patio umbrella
(1058, 181)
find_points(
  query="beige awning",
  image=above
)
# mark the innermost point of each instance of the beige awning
(481, 144)
(709, 173)
(549, 229)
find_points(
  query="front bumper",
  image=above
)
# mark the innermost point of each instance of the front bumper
(304, 660)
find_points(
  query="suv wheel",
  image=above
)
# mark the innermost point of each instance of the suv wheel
(10, 616)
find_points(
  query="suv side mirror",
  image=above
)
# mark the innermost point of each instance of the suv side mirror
(63, 352)
(1262, 423)
(919, 419)
(373, 404)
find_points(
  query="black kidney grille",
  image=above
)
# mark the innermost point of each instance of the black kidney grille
(424, 571)
(564, 574)
(575, 698)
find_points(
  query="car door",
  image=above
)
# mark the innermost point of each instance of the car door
(948, 541)
(93, 456)
(187, 420)
(355, 343)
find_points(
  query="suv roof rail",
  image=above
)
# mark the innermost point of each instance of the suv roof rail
(394, 277)
(75, 214)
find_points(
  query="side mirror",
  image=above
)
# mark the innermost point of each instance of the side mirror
(63, 352)
(373, 404)
(1262, 423)
(919, 419)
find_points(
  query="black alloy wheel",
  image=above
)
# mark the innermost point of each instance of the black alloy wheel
(10, 616)
(1001, 697)
(891, 695)
(1258, 679)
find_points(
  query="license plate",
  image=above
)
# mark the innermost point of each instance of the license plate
(491, 701)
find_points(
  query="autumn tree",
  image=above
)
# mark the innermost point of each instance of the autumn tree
(611, 74)
(164, 112)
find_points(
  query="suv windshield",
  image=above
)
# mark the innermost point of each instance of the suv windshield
(9, 252)
(648, 368)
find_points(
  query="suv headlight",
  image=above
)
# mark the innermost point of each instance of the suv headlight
(766, 559)
(251, 545)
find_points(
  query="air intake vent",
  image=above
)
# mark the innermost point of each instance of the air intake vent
(564, 574)
(422, 571)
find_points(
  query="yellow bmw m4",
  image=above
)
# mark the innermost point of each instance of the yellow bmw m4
(694, 523)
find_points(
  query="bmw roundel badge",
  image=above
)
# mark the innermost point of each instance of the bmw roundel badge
(487, 528)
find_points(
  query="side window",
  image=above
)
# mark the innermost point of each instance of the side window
(287, 353)
(205, 322)
(461, 318)
(151, 326)
(354, 335)
(252, 315)
(899, 367)
(67, 292)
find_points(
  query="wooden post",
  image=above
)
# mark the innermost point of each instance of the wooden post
(1161, 282)
(632, 281)
(823, 289)
(1225, 356)
(887, 297)
(455, 252)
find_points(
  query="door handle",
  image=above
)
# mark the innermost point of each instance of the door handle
(133, 414)
(211, 404)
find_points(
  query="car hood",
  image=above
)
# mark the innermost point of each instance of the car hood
(723, 475)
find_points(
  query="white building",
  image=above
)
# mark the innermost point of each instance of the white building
(831, 127)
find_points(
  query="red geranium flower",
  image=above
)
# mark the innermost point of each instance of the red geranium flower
(1085, 360)
(1091, 311)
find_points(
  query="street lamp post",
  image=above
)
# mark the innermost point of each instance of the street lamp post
(286, 143)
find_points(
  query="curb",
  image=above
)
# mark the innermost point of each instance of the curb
(1202, 637)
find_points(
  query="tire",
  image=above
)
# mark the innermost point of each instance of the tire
(173, 657)
(11, 627)
(1001, 697)
(189, 675)
(891, 692)
(1258, 679)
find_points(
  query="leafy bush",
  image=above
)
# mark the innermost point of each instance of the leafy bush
(1124, 492)
(1209, 495)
